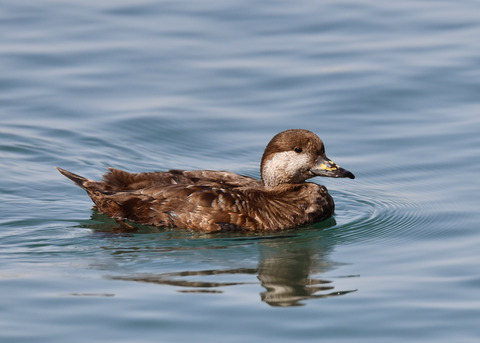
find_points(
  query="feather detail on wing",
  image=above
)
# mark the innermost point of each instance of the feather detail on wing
(121, 180)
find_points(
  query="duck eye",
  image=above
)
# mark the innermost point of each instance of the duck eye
(298, 150)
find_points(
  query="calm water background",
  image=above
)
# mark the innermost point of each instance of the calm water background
(391, 87)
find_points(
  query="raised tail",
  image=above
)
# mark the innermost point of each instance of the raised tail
(77, 179)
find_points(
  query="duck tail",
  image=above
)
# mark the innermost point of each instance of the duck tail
(77, 179)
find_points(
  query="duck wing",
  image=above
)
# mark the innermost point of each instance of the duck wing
(117, 179)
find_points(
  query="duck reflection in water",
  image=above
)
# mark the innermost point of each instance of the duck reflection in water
(285, 271)
(286, 266)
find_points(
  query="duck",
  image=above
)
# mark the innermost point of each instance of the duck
(217, 201)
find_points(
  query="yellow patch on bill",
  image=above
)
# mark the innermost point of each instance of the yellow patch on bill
(329, 168)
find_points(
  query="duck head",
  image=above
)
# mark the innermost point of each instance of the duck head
(294, 156)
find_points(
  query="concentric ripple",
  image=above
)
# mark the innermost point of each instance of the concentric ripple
(375, 214)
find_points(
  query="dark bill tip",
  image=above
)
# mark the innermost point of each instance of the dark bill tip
(348, 174)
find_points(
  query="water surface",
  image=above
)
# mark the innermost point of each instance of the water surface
(391, 88)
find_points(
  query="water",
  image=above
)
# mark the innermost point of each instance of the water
(391, 87)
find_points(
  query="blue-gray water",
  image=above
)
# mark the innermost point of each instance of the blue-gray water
(393, 89)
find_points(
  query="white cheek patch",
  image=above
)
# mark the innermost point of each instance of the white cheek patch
(284, 167)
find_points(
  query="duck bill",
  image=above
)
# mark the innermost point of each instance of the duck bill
(326, 167)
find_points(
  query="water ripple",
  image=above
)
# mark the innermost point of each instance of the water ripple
(374, 215)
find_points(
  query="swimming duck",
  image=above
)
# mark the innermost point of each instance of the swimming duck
(209, 201)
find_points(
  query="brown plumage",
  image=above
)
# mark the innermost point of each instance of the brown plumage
(206, 200)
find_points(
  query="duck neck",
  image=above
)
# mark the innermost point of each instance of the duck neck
(271, 177)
